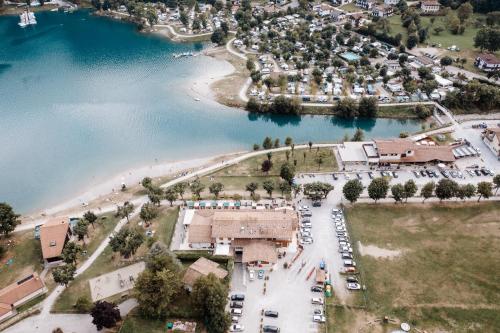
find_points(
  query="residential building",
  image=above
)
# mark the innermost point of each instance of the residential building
(53, 236)
(392, 65)
(251, 236)
(355, 19)
(423, 61)
(201, 267)
(366, 4)
(341, 2)
(391, 2)
(429, 7)
(382, 11)
(19, 293)
(487, 62)
(491, 137)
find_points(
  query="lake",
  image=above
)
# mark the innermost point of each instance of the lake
(83, 98)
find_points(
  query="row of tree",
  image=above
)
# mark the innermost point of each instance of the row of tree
(474, 96)
(348, 108)
(445, 189)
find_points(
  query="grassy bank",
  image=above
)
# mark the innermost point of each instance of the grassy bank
(385, 111)
(444, 276)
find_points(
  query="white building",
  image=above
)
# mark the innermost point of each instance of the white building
(429, 6)
(487, 62)
(391, 2)
(491, 138)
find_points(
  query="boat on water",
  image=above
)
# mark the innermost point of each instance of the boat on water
(184, 54)
(27, 18)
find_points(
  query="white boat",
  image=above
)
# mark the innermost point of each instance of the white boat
(27, 18)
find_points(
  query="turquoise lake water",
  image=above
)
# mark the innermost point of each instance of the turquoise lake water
(83, 98)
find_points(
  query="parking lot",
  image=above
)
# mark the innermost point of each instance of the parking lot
(288, 291)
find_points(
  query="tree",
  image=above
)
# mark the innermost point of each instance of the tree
(358, 135)
(284, 187)
(398, 192)
(287, 172)
(268, 185)
(378, 188)
(218, 36)
(268, 143)
(64, 274)
(317, 190)
(170, 195)
(485, 190)
(412, 41)
(148, 212)
(252, 187)
(320, 158)
(464, 11)
(352, 190)
(96, 3)
(496, 182)
(310, 145)
(216, 188)
(288, 141)
(155, 290)
(446, 189)
(90, 217)
(209, 299)
(296, 189)
(427, 190)
(250, 65)
(180, 188)
(147, 183)
(70, 252)
(346, 108)
(81, 230)
(368, 107)
(410, 189)
(266, 166)
(446, 61)
(438, 30)
(126, 241)
(125, 210)
(468, 190)
(160, 257)
(8, 219)
(105, 315)
(277, 143)
(196, 188)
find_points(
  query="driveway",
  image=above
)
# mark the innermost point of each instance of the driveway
(288, 290)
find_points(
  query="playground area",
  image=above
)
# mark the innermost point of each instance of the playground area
(115, 282)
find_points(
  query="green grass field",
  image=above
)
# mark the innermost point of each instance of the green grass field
(445, 275)
(25, 255)
(108, 261)
(237, 176)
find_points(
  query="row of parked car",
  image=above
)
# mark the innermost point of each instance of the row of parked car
(345, 248)
(305, 226)
(236, 305)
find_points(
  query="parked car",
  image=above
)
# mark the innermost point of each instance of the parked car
(270, 329)
(319, 318)
(238, 297)
(318, 312)
(477, 172)
(423, 173)
(236, 312)
(251, 275)
(317, 300)
(352, 279)
(236, 328)
(260, 274)
(316, 204)
(353, 286)
(235, 319)
(346, 255)
(349, 263)
(395, 174)
(304, 241)
(317, 289)
(370, 174)
(417, 174)
(359, 176)
(269, 313)
(236, 305)
(335, 177)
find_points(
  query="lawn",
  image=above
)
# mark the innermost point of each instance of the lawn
(236, 177)
(108, 261)
(134, 323)
(444, 276)
(103, 228)
(24, 255)
(351, 8)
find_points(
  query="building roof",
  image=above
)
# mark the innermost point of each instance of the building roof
(490, 59)
(259, 250)
(352, 152)
(491, 132)
(20, 289)
(200, 228)
(4, 309)
(421, 154)
(424, 60)
(259, 224)
(430, 3)
(52, 237)
(202, 267)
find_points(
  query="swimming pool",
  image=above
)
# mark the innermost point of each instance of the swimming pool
(349, 56)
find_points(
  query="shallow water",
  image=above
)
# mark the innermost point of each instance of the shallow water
(84, 97)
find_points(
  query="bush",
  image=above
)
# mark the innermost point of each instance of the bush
(83, 304)
(423, 111)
